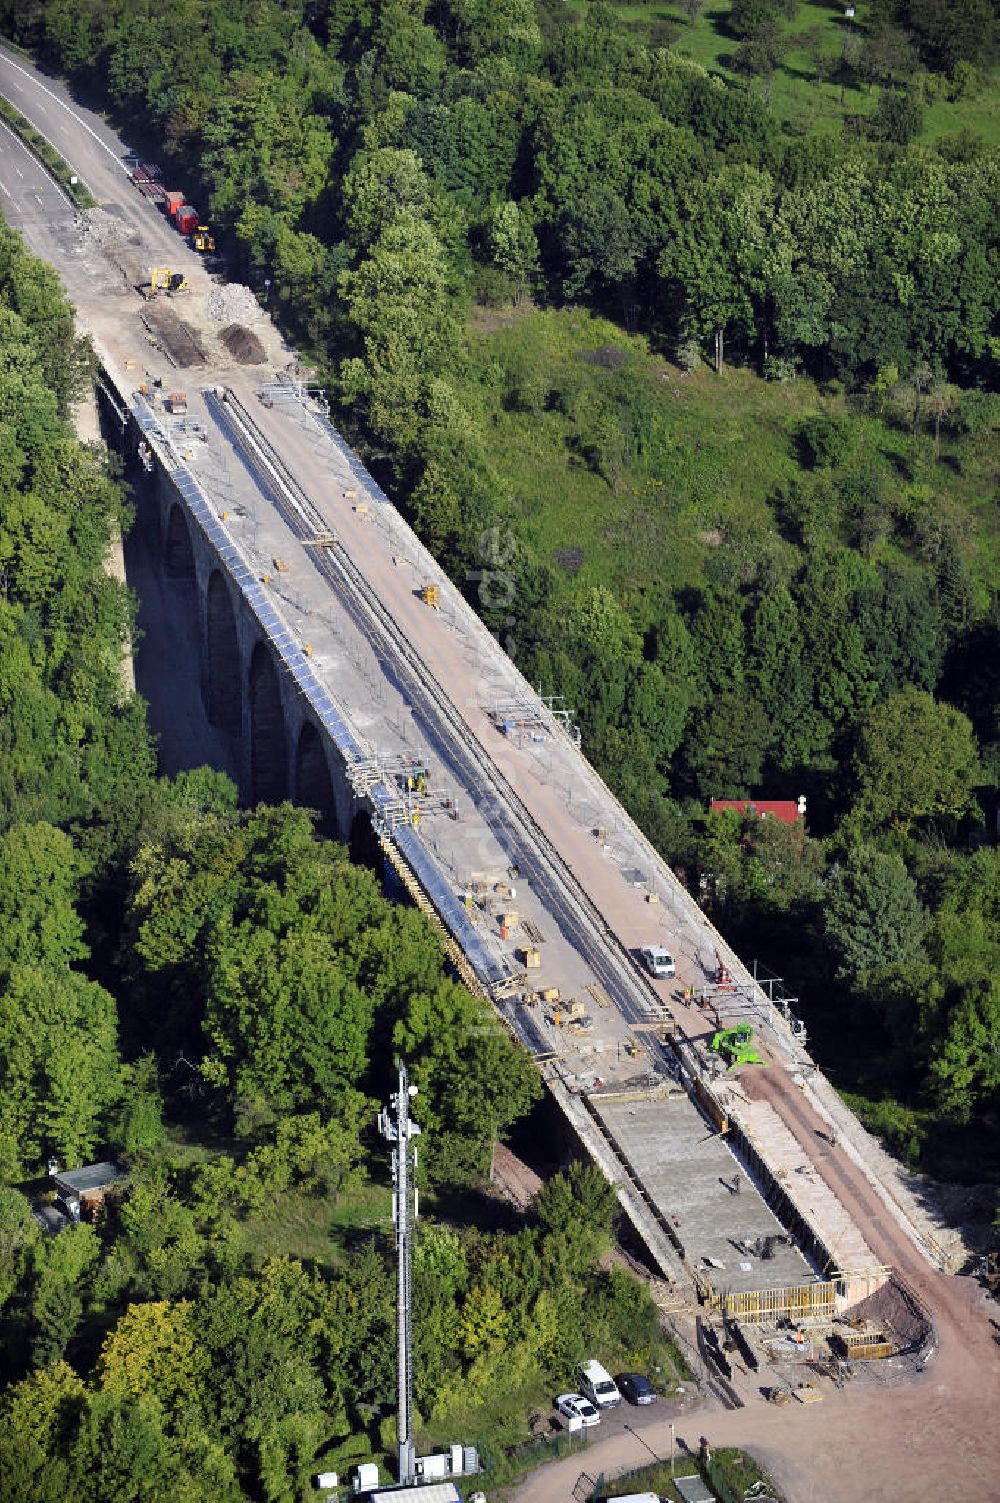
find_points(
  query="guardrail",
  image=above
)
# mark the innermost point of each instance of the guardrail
(47, 156)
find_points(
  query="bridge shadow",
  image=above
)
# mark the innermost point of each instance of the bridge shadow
(167, 649)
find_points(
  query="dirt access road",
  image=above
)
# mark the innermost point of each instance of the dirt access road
(864, 1445)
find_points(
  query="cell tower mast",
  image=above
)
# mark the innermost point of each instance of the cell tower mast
(395, 1125)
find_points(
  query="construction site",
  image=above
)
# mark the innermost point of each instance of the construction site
(769, 1221)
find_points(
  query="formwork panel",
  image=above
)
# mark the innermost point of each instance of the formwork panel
(765, 1307)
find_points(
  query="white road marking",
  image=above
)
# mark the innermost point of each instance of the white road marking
(72, 113)
(18, 170)
(5, 189)
(37, 197)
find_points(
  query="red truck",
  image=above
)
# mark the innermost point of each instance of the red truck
(186, 219)
(172, 202)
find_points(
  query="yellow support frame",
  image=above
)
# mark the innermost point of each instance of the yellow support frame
(765, 1307)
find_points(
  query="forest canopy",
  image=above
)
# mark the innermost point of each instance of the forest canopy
(516, 241)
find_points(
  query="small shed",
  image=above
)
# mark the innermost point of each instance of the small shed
(81, 1192)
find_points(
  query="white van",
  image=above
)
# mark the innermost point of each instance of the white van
(597, 1384)
(658, 962)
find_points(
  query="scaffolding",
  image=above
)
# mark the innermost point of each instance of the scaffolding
(536, 718)
(766, 1307)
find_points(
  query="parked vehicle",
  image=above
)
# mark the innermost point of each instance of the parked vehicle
(635, 1388)
(186, 219)
(575, 1406)
(658, 962)
(597, 1384)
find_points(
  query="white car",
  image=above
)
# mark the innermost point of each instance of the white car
(575, 1406)
(658, 962)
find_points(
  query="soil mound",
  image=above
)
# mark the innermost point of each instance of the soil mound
(242, 344)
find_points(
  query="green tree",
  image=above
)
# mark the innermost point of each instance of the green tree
(399, 300)
(122, 1452)
(897, 118)
(726, 757)
(154, 1353)
(949, 34)
(449, 1037)
(513, 246)
(380, 186)
(60, 1071)
(965, 1067)
(37, 1419)
(916, 760)
(872, 916)
(60, 1275)
(40, 872)
(19, 1232)
(140, 1114)
(779, 677)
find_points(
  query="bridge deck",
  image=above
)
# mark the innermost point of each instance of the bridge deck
(423, 683)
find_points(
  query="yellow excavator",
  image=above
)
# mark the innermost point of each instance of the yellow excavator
(162, 278)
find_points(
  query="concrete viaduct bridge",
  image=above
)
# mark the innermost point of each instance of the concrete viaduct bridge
(268, 689)
(297, 589)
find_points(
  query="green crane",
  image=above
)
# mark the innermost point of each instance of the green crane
(736, 1045)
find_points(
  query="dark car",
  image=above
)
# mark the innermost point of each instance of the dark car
(636, 1388)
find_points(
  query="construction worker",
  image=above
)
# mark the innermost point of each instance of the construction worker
(687, 996)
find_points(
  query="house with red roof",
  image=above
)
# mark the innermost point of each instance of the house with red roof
(788, 811)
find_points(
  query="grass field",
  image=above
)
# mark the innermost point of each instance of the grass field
(796, 95)
(695, 476)
(732, 1474)
(696, 459)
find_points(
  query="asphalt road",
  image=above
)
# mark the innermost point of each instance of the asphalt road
(29, 196)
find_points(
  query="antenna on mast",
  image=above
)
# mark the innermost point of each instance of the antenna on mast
(395, 1125)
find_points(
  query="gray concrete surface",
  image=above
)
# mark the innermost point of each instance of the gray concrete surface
(706, 1193)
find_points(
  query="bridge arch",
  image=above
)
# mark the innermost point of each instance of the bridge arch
(363, 843)
(268, 752)
(178, 553)
(224, 691)
(313, 785)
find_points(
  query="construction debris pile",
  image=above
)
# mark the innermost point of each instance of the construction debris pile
(232, 304)
(105, 230)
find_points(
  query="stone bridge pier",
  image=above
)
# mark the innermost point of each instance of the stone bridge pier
(278, 745)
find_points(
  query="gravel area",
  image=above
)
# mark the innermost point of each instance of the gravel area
(105, 229)
(232, 304)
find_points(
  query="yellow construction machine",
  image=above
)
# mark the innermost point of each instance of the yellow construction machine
(203, 240)
(162, 278)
